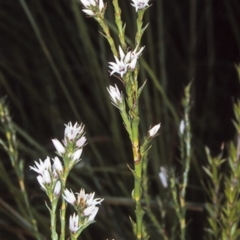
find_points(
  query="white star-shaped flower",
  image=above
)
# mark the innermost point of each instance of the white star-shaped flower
(140, 4)
(115, 95)
(92, 7)
(126, 61)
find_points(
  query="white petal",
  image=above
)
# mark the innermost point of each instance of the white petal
(100, 5)
(182, 126)
(76, 155)
(57, 165)
(59, 147)
(153, 131)
(122, 54)
(40, 181)
(163, 176)
(57, 188)
(89, 12)
(74, 223)
(81, 142)
(69, 196)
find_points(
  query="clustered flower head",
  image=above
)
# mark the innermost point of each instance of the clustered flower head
(126, 62)
(140, 4)
(73, 142)
(49, 174)
(70, 149)
(93, 7)
(84, 204)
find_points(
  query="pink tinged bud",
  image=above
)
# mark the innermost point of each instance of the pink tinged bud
(154, 130)
(57, 165)
(69, 196)
(57, 188)
(81, 142)
(59, 147)
(74, 223)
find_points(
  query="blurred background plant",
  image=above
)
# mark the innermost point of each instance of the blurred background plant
(53, 70)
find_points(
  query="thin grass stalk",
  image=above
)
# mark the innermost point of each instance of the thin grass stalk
(146, 196)
(49, 58)
(182, 196)
(12, 150)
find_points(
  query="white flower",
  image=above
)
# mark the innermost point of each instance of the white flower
(76, 155)
(44, 169)
(41, 166)
(74, 223)
(92, 7)
(139, 4)
(115, 95)
(163, 175)
(59, 147)
(44, 179)
(119, 67)
(72, 132)
(126, 61)
(182, 126)
(154, 130)
(90, 212)
(57, 165)
(41, 182)
(57, 188)
(87, 199)
(69, 196)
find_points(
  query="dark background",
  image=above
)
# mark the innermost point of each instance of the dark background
(53, 69)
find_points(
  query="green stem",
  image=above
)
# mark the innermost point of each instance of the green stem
(64, 204)
(187, 161)
(137, 197)
(139, 27)
(53, 219)
(106, 31)
(119, 23)
(62, 219)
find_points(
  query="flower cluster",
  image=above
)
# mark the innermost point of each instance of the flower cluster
(70, 150)
(85, 205)
(48, 177)
(73, 142)
(140, 4)
(93, 7)
(126, 62)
